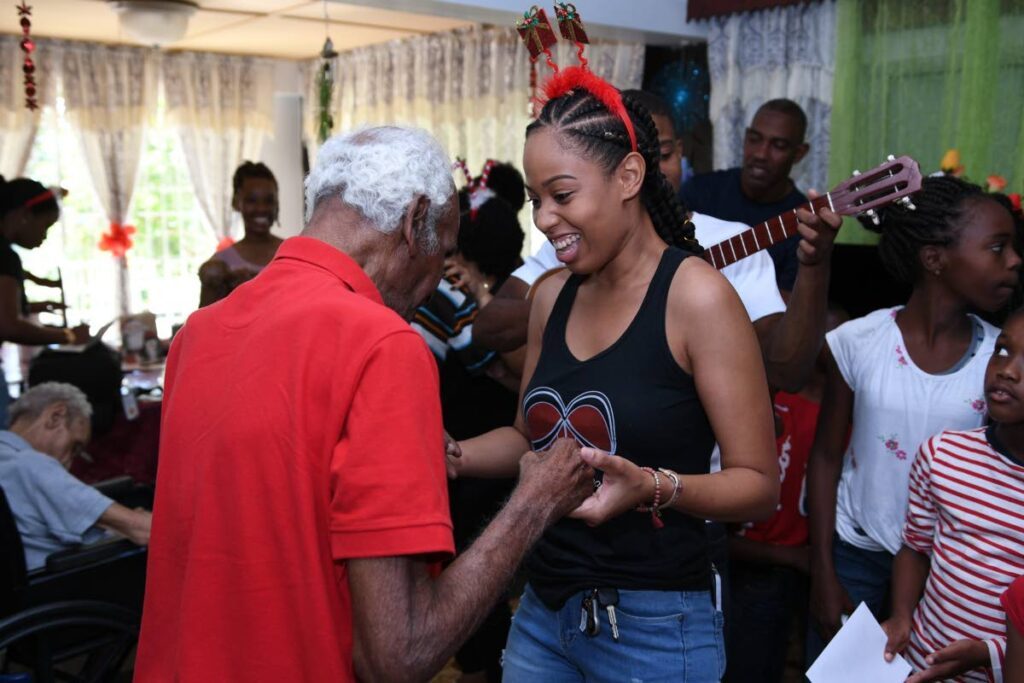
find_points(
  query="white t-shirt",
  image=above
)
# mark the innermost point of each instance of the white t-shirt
(753, 278)
(896, 407)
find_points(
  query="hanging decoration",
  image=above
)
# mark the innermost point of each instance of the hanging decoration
(571, 27)
(685, 85)
(535, 30)
(325, 84)
(28, 47)
(117, 240)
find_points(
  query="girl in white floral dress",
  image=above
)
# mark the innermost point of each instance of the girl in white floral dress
(898, 376)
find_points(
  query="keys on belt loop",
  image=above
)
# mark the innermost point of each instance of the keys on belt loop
(590, 624)
(609, 598)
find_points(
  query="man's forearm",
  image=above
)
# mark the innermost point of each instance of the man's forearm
(503, 323)
(796, 339)
(446, 611)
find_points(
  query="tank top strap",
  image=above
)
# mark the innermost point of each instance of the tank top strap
(652, 314)
(554, 331)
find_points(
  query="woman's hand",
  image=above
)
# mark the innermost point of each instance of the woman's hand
(624, 487)
(466, 276)
(213, 273)
(829, 601)
(952, 660)
(452, 456)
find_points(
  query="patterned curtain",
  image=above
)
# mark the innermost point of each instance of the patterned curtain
(109, 92)
(222, 108)
(757, 56)
(470, 88)
(17, 124)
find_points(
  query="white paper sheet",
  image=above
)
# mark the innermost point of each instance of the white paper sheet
(857, 654)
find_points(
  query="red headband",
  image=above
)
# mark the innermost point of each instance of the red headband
(38, 199)
(573, 77)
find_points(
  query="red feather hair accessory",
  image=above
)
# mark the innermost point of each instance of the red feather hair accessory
(576, 77)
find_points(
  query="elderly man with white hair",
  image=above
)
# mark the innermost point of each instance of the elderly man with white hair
(52, 509)
(301, 503)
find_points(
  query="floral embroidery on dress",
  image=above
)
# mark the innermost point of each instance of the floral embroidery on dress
(900, 358)
(977, 405)
(892, 445)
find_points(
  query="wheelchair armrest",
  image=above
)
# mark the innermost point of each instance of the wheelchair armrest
(85, 555)
(115, 487)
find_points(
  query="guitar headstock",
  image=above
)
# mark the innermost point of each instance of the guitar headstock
(896, 179)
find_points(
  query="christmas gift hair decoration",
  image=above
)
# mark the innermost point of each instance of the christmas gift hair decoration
(535, 30)
(580, 77)
(571, 27)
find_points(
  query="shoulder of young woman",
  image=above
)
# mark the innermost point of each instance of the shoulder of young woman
(544, 294)
(699, 289)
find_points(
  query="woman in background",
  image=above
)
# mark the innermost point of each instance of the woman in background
(255, 197)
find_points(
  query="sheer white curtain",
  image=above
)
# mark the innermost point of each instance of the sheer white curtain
(470, 88)
(221, 107)
(109, 92)
(782, 52)
(18, 125)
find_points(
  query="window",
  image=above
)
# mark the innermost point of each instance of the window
(170, 243)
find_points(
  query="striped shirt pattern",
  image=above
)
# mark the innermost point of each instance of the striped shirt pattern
(966, 512)
(446, 323)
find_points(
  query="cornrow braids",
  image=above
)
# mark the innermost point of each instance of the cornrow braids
(940, 205)
(600, 135)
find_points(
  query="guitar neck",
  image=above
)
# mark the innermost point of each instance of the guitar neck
(760, 236)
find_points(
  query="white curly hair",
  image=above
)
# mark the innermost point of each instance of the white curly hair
(379, 171)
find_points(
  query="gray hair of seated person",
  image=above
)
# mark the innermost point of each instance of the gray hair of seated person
(379, 171)
(36, 400)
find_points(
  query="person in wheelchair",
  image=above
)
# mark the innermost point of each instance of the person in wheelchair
(52, 509)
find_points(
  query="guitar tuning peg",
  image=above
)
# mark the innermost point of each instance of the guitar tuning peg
(908, 204)
(891, 157)
(856, 172)
(873, 215)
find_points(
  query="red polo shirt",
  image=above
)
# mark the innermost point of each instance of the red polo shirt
(301, 428)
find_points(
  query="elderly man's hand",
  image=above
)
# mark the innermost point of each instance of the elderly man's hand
(557, 479)
(818, 233)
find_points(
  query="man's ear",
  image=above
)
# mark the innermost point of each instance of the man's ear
(801, 151)
(55, 415)
(630, 175)
(414, 221)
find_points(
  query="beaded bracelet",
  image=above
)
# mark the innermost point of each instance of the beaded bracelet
(654, 508)
(676, 487)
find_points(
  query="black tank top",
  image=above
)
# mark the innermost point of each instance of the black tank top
(633, 400)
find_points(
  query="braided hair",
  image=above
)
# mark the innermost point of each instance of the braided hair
(940, 206)
(590, 127)
(250, 169)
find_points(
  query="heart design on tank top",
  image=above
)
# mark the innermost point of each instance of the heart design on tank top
(588, 418)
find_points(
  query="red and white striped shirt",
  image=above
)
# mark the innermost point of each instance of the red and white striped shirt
(967, 513)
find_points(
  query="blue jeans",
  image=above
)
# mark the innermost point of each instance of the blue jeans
(865, 576)
(664, 636)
